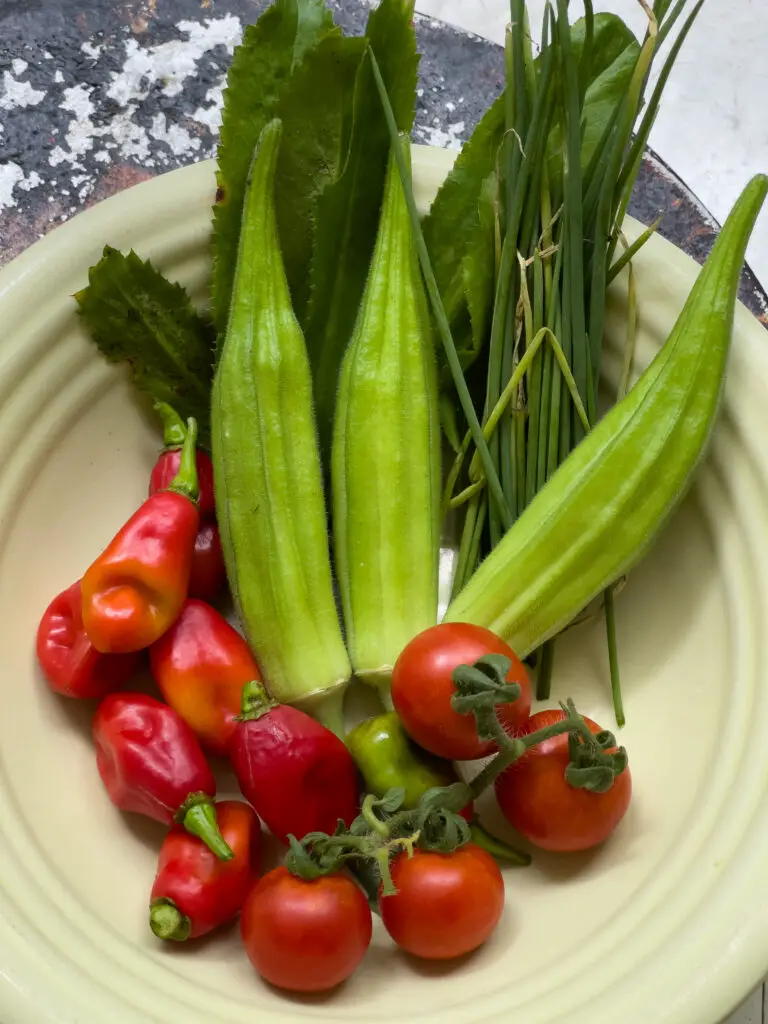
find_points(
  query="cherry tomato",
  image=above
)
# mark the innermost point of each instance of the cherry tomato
(305, 936)
(542, 806)
(447, 904)
(208, 575)
(422, 689)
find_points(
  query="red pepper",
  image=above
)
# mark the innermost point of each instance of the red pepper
(201, 666)
(135, 589)
(209, 574)
(151, 763)
(195, 892)
(297, 774)
(169, 461)
(71, 664)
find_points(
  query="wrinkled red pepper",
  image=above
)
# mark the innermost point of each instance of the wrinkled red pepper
(151, 763)
(71, 664)
(169, 462)
(195, 892)
(298, 776)
(209, 574)
(201, 666)
(135, 589)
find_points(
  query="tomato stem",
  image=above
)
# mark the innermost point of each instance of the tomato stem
(376, 824)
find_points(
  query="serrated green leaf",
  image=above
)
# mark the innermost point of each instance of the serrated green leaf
(136, 316)
(316, 111)
(260, 67)
(348, 209)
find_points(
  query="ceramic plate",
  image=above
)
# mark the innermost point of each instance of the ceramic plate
(668, 922)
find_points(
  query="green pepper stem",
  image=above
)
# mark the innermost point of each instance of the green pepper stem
(167, 921)
(174, 429)
(185, 482)
(256, 702)
(198, 816)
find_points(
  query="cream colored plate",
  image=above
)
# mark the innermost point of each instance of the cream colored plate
(669, 922)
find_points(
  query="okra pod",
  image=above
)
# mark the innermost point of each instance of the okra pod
(600, 511)
(386, 456)
(269, 491)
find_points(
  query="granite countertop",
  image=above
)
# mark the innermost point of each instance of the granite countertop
(96, 97)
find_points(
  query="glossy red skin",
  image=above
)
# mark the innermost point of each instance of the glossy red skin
(447, 904)
(543, 807)
(201, 666)
(166, 468)
(149, 759)
(209, 575)
(422, 689)
(135, 589)
(305, 936)
(298, 776)
(70, 663)
(207, 890)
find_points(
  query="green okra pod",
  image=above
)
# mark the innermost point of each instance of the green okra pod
(269, 491)
(386, 456)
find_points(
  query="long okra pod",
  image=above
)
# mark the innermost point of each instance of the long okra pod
(386, 457)
(599, 513)
(269, 493)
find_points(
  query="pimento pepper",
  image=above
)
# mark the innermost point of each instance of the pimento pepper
(135, 589)
(298, 776)
(71, 664)
(209, 574)
(169, 462)
(151, 763)
(195, 892)
(201, 666)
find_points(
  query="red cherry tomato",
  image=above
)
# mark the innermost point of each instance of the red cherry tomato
(422, 689)
(305, 936)
(542, 806)
(447, 904)
(208, 575)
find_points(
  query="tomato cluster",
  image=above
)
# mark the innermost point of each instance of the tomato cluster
(309, 935)
(533, 792)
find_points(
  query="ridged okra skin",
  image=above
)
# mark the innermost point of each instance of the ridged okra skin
(599, 513)
(386, 456)
(269, 490)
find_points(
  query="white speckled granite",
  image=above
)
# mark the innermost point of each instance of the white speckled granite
(713, 126)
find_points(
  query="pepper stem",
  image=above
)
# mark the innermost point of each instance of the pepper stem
(185, 482)
(255, 702)
(198, 816)
(168, 922)
(174, 430)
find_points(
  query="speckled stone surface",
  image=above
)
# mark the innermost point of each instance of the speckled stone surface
(96, 96)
